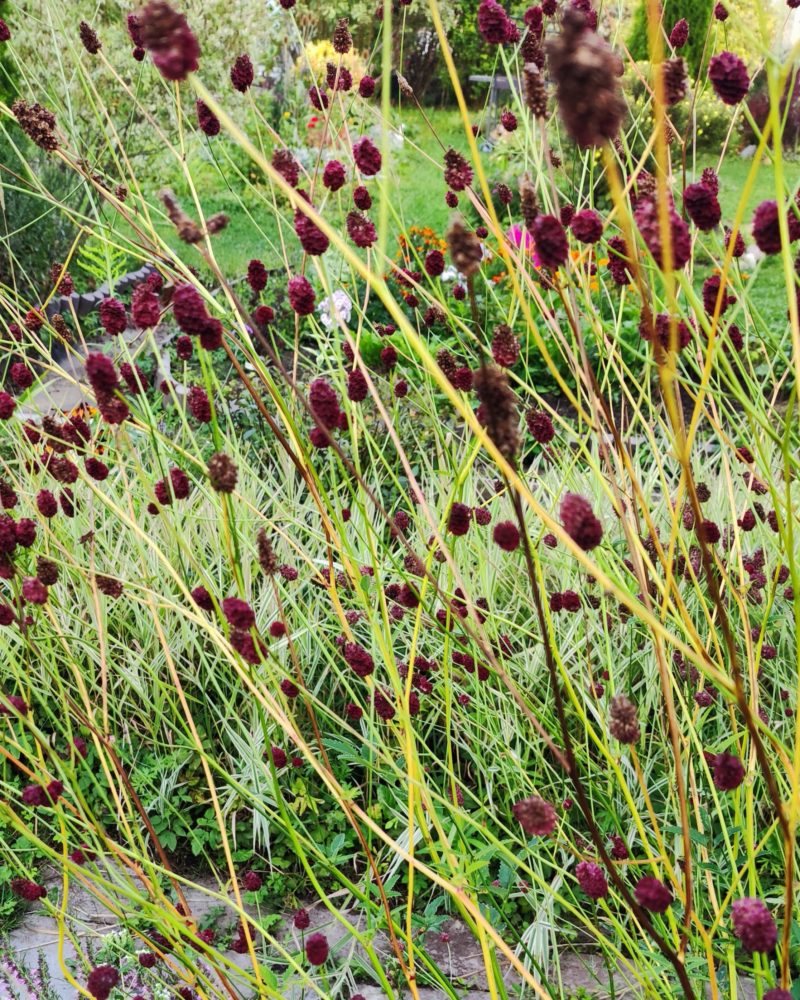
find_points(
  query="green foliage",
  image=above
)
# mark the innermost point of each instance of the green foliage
(698, 15)
(100, 263)
(387, 786)
(700, 114)
(35, 228)
(8, 70)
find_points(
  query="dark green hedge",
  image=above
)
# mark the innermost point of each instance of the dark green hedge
(697, 13)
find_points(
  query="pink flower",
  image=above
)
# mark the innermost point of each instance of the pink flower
(515, 234)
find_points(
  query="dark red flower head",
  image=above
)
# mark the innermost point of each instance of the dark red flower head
(199, 405)
(540, 426)
(333, 176)
(21, 375)
(27, 890)
(145, 308)
(505, 346)
(653, 895)
(89, 38)
(184, 348)
(165, 33)
(189, 309)
(357, 388)
(679, 35)
(550, 241)
(675, 82)
(754, 925)
(312, 239)
(366, 86)
(728, 772)
(579, 521)
(317, 949)
(256, 275)
(459, 519)
(342, 42)
(536, 816)
(586, 226)
(617, 261)
(457, 172)
(134, 30)
(671, 333)
(358, 659)
(242, 73)
(361, 230)
(586, 72)
(113, 317)
(367, 156)
(238, 613)
(592, 879)
(287, 166)
(7, 405)
(702, 206)
(434, 263)
(301, 295)
(206, 119)
(508, 120)
(37, 123)
(648, 219)
(766, 227)
(728, 76)
(324, 403)
(506, 535)
(739, 247)
(102, 980)
(494, 24)
(623, 721)
(362, 198)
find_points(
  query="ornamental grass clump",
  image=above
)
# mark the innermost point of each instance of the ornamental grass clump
(415, 539)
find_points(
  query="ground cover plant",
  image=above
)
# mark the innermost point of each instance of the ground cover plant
(433, 557)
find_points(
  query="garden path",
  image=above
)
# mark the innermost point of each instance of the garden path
(458, 957)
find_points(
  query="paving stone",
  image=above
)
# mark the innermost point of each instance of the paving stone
(67, 389)
(452, 947)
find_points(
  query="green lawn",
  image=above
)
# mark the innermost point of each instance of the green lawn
(414, 171)
(417, 198)
(767, 286)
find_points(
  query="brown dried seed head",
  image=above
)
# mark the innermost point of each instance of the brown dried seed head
(529, 203)
(405, 86)
(465, 248)
(266, 554)
(623, 723)
(187, 228)
(222, 473)
(59, 324)
(216, 223)
(586, 72)
(37, 123)
(535, 92)
(498, 409)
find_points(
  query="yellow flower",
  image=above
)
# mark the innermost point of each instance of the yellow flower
(317, 55)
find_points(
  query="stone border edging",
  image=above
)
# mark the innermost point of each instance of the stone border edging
(84, 303)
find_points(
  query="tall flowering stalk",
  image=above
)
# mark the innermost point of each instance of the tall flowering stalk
(319, 552)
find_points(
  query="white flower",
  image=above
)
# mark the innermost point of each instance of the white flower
(335, 310)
